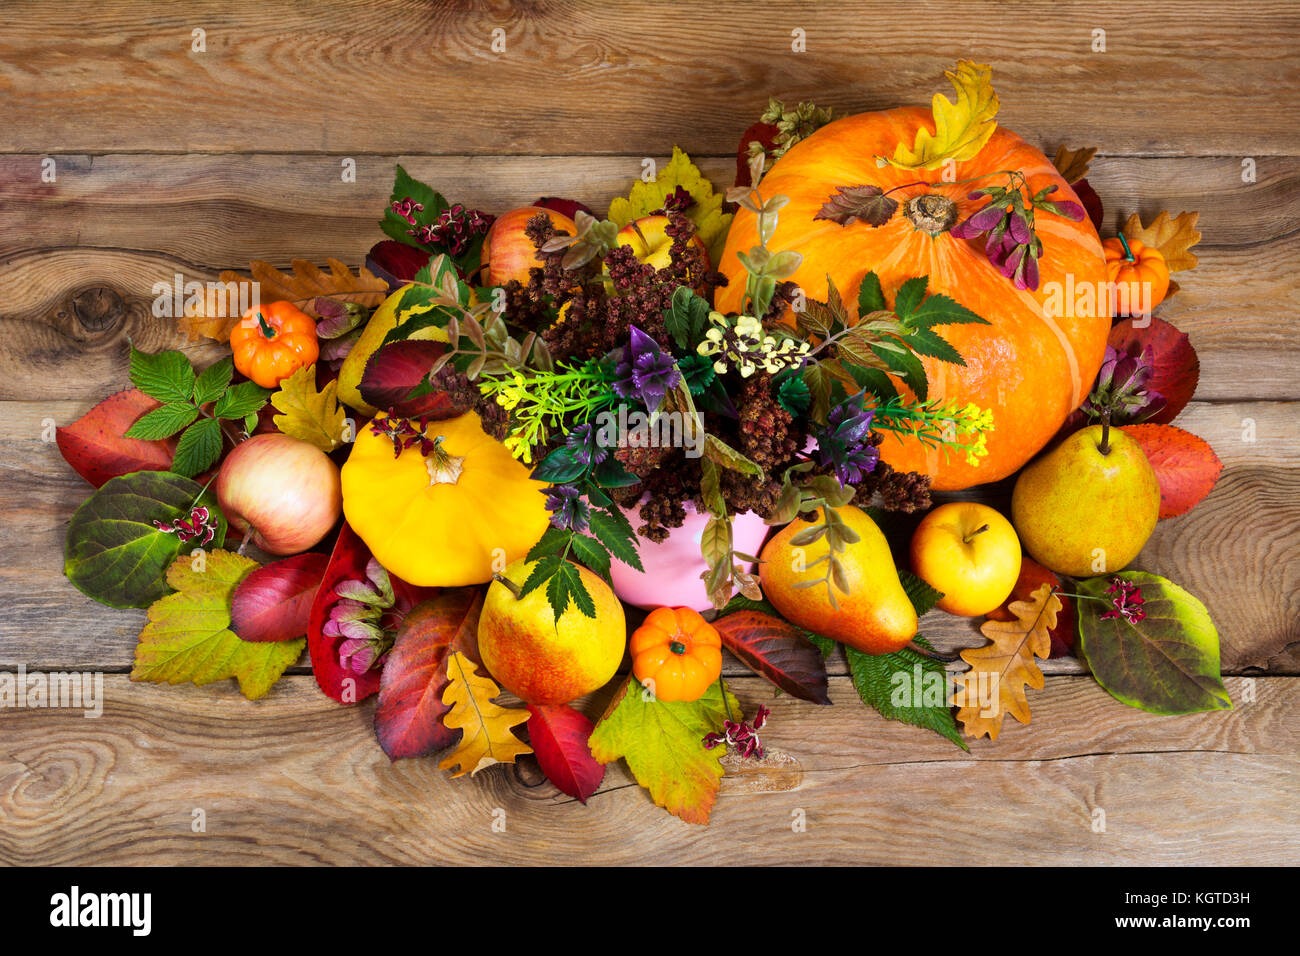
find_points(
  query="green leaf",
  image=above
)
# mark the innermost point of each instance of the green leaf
(405, 186)
(720, 453)
(908, 687)
(922, 596)
(819, 387)
(874, 380)
(908, 367)
(1167, 663)
(541, 573)
(114, 552)
(663, 744)
(592, 553)
(938, 309)
(793, 395)
(163, 422)
(616, 534)
(565, 584)
(686, 319)
(241, 401)
(610, 473)
(559, 467)
(553, 541)
(199, 448)
(250, 422)
(931, 343)
(188, 637)
(871, 298)
(166, 376)
(910, 294)
(213, 380)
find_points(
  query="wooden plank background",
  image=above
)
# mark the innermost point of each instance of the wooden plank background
(170, 160)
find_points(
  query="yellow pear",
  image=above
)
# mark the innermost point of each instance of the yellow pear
(1089, 505)
(874, 615)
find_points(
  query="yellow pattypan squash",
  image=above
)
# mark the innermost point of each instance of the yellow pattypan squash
(382, 321)
(446, 514)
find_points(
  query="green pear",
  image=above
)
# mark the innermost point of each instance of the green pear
(1089, 505)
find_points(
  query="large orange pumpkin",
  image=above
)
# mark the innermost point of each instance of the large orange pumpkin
(1037, 360)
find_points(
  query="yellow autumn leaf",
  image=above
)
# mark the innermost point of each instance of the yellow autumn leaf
(706, 212)
(485, 726)
(309, 415)
(960, 129)
(1173, 237)
(995, 684)
(219, 311)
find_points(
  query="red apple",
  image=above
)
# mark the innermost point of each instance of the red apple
(281, 493)
(507, 249)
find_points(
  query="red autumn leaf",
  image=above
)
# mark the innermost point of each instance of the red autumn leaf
(395, 369)
(763, 133)
(1090, 201)
(348, 563)
(560, 735)
(1186, 466)
(408, 720)
(274, 602)
(777, 650)
(95, 447)
(1175, 368)
(1033, 576)
(396, 262)
(565, 207)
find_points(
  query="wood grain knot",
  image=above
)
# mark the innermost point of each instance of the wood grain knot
(98, 309)
(39, 783)
(528, 772)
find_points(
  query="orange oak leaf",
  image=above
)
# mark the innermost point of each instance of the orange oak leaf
(1173, 237)
(1186, 466)
(995, 684)
(1073, 164)
(220, 308)
(486, 737)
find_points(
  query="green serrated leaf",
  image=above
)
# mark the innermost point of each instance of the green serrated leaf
(565, 585)
(686, 319)
(559, 467)
(921, 594)
(931, 343)
(405, 186)
(871, 297)
(793, 395)
(874, 380)
(908, 367)
(541, 573)
(908, 687)
(910, 294)
(163, 422)
(593, 554)
(166, 376)
(241, 400)
(115, 553)
(553, 541)
(199, 448)
(614, 531)
(939, 309)
(213, 381)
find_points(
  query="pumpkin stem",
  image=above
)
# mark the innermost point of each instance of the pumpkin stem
(677, 647)
(931, 213)
(267, 331)
(443, 468)
(1128, 253)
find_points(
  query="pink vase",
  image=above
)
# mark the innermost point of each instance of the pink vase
(673, 566)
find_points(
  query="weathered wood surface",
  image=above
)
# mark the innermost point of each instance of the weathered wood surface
(173, 161)
(297, 779)
(346, 78)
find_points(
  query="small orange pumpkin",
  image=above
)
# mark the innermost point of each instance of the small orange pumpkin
(678, 651)
(273, 342)
(1132, 266)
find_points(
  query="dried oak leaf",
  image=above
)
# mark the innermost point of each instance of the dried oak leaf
(1073, 164)
(1173, 237)
(219, 313)
(1005, 665)
(486, 738)
(307, 414)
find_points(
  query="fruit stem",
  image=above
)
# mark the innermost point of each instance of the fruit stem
(509, 585)
(1128, 253)
(966, 539)
(267, 331)
(1104, 447)
(677, 647)
(933, 655)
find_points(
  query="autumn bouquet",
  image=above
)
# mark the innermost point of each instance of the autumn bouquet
(462, 468)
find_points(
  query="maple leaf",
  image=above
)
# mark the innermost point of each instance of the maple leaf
(867, 203)
(1073, 164)
(1186, 467)
(706, 212)
(188, 637)
(1173, 237)
(486, 738)
(219, 312)
(1008, 661)
(310, 416)
(663, 744)
(960, 129)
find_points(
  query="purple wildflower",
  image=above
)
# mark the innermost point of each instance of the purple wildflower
(569, 510)
(845, 442)
(646, 371)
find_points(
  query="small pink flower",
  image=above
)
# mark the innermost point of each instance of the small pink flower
(742, 735)
(198, 524)
(1126, 602)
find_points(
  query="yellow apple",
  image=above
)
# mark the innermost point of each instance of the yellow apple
(651, 243)
(970, 553)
